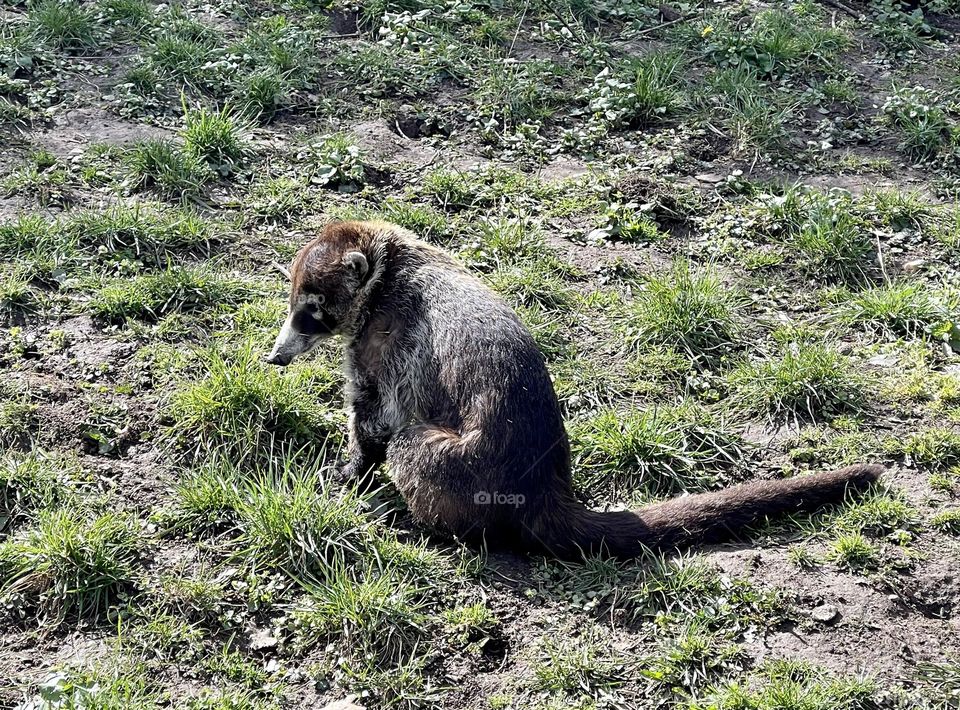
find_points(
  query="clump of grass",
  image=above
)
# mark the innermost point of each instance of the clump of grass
(175, 290)
(755, 116)
(947, 521)
(853, 551)
(669, 588)
(907, 308)
(38, 247)
(923, 124)
(216, 138)
(71, 562)
(162, 165)
(66, 24)
(789, 685)
(289, 520)
(33, 482)
(262, 93)
(659, 451)
(278, 200)
(532, 286)
(687, 308)
(373, 612)
(141, 232)
(937, 447)
(244, 405)
(578, 666)
(831, 240)
(806, 381)
(692, 659)
(875, 513)
(776, 42)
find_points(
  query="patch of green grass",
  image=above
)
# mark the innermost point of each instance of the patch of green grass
(875, 513)
(922, 122)
(262, 93)
(278, 200)
(755, 116)
(947, 521)
(31, 483)
(687, 308)
(578, 667)
(111, 684)
(805, 381)
(690, 660)
(936, 447)
(65, 24)
(532, 285)
(162, 165)
(509, 94)
(174, 290)
(141, 232)
(243, 405)
(907, 308)
(658, 451)
(834, 446)
(217, 138)
(776, 42)
(290, 520)
(789, 685)
(36, 245)
(71, 562)
(853, 551)
(370, 612)
(831, 240)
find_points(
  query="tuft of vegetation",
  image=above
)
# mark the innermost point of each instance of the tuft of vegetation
(806, 381)
(244, 406)
(656, 452)
(687, 308)
(71, 562)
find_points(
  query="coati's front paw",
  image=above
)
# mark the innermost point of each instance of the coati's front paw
(353, 474)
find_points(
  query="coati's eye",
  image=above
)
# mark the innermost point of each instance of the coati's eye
(313, 302)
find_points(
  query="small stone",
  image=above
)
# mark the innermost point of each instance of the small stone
(262, 640)
(825, 614)
(711, 178)
(914, 265)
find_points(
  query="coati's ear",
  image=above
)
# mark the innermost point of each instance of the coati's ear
(358, 262)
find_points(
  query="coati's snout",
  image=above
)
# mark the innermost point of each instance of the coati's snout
(306, 325)
(325, 278)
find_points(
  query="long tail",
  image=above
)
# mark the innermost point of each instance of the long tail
(707, 517)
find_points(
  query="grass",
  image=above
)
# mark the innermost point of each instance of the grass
(240, 403)
(216, 138)
(162, 165)
(66, 24)
(905, 309)
(655, 452)
(805, 381)
(791, 685)
(687, 308)
(173, 290)
(71, 563)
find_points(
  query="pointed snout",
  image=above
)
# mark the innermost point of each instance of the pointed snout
(289, 344)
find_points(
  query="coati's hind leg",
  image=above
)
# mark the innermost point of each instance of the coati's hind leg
(431, 466)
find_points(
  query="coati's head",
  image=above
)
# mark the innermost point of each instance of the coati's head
(327, 276)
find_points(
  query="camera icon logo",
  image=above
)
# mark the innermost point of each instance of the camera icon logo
(481, 498)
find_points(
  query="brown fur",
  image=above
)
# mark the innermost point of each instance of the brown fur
(446, 385)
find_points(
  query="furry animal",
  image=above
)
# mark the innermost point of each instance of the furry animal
(446, 385)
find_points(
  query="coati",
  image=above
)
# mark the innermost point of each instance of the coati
(446, 385)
